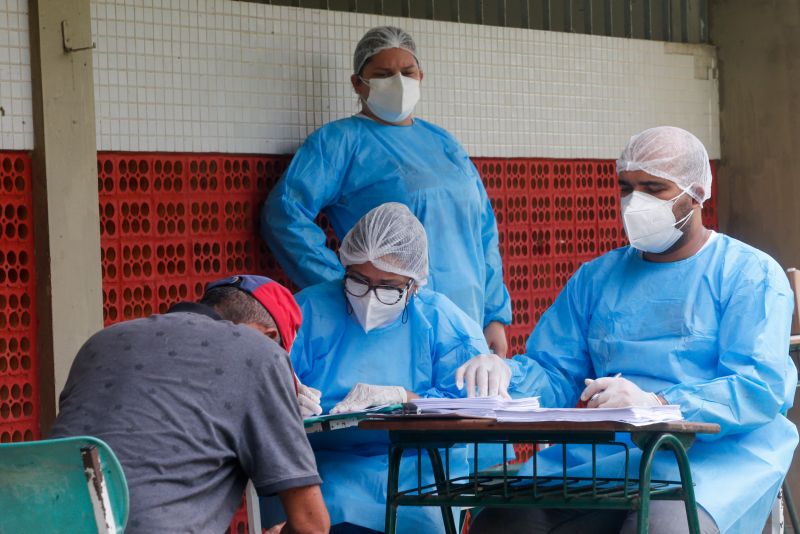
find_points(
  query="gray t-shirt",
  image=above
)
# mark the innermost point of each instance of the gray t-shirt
(193, 407)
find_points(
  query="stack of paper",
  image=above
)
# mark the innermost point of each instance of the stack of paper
(476, 407)
(527, 410)
(634, 415)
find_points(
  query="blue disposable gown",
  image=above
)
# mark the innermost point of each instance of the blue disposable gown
(710, 334)
(352, 165)
(332, 353)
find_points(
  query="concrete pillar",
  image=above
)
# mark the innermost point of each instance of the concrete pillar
(65, 199)
(759, 79)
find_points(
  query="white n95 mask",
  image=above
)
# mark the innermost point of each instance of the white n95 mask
(650, 223)
(372, 313)
(392, 99)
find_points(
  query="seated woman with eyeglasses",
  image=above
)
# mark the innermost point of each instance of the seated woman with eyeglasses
(379, 337)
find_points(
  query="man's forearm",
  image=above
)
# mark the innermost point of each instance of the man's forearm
(305, 511)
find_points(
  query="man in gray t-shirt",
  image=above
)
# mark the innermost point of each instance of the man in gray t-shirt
(196, 401)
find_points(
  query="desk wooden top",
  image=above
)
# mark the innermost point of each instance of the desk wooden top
(794, 341)
(416, 424)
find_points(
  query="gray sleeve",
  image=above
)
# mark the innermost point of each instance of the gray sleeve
(273, 449)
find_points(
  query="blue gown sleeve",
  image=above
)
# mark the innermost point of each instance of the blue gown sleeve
(311, 182)
(557, 354)
(754, 364)
(300, 354)
(301, 363)
(457, 339)
(497, 302)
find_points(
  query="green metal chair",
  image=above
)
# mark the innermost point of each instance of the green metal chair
(73, 485)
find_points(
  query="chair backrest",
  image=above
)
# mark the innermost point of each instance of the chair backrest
(253, 509)
(71, 484)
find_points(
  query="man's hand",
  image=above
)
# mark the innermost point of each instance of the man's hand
(364, 396)
(609, 392)
(487, 375)
(495, 334)
(309, 400)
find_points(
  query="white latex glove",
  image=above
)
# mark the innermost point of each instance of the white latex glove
(364, 396)
(610, 392)
(308, 399)
(489, 373)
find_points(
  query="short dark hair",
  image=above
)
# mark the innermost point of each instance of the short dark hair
(238, 307)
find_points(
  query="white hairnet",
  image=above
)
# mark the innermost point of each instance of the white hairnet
(390, 237)
(379, 39)
(670, 153)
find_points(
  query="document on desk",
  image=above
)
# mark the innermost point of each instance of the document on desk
(485, 407)
(633, 415)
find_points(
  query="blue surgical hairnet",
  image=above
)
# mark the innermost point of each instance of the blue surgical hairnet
(390, 237)
(379, 39)
(672, 154)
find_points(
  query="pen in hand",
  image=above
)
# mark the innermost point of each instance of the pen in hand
(594, 397)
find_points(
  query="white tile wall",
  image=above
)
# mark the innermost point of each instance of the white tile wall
(228, 76)
(16, 111)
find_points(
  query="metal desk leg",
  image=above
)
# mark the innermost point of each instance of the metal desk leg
(438, 475)
(395, 456)
(668, 441)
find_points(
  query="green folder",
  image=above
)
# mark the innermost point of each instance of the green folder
(326, 423)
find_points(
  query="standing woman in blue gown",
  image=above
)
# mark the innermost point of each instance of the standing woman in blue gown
(384, 154)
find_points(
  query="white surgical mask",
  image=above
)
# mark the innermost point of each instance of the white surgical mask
(392, 99)
(650, 222)
(372, 313)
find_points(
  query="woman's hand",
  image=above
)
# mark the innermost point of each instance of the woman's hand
(486, 375)
(364, 396)
(495, 334)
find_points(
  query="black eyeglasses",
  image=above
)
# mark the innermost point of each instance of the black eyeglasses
(358, 287)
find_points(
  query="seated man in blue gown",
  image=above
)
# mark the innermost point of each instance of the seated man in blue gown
(378, 337)
(689, 317)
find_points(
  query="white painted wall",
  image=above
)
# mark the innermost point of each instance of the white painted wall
(229, 76)
(16, 116)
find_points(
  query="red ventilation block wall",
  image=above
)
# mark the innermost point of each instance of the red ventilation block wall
(19, 373)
